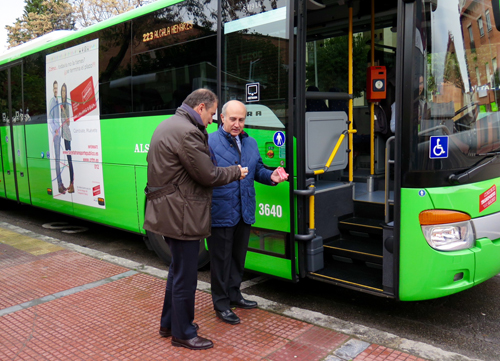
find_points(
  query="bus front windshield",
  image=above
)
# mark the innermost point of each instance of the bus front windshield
(455, 122)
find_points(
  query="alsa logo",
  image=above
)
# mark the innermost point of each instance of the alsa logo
(258, 113)
(141, 148)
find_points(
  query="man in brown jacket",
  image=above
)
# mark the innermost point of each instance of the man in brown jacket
(181, 175)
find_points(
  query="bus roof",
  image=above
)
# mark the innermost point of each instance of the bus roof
(13, 53)
(61, 36)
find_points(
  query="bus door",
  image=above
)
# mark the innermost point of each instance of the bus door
(14, 160)
(340, 154)
(256, 69)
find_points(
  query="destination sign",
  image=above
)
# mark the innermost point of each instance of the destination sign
(169, 30)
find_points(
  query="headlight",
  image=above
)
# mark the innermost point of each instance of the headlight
(447, 230)
(450, 237)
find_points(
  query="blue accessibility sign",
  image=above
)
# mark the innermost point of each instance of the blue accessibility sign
(439, 147)
(279, 139)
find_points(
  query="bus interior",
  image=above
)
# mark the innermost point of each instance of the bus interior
(351, 211)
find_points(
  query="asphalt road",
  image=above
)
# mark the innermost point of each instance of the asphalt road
(467, 323)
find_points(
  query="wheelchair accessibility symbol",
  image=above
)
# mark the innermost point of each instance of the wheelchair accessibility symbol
(439, 147)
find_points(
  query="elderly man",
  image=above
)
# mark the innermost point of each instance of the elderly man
(181, 175)
(233, 210)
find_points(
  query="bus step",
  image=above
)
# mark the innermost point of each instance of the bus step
(361, 225)
(355, 248)
(356, 275)
(369, 209)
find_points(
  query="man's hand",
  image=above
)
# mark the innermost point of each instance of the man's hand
(279, 175)
(244, 172)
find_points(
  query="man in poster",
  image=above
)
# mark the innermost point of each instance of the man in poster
(55, 125)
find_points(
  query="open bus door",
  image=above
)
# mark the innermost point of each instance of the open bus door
(344, 186)
(14, 161)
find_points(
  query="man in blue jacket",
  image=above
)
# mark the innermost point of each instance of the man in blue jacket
(233, 210)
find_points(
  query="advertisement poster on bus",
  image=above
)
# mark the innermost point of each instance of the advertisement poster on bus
(73, 122)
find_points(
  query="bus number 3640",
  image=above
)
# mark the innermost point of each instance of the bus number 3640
(270, 210)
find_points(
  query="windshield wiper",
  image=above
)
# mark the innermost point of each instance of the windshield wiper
(472, 171)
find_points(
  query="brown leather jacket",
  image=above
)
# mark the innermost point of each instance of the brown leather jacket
(182, 173)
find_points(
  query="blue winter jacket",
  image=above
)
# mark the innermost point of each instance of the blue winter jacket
(236, 200)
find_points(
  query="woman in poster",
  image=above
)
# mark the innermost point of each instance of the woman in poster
(66, 132)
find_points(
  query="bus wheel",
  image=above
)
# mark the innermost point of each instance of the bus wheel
(161, 248)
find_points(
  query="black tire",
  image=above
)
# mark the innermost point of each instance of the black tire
(161, 248)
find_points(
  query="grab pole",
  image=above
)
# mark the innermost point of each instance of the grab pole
(351, 158)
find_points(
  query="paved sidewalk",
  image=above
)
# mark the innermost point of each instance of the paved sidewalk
(59, 304)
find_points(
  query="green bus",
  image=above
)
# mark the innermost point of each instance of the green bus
(384, 113)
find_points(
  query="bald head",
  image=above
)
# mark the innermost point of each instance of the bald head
(233, 117)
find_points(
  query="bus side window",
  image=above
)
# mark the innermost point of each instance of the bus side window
(114, 67)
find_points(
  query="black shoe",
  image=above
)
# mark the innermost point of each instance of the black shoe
(228, 316)
(243, 304)
(166, 332)
(196, 343)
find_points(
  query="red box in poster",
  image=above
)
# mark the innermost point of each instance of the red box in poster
(96, 190)
(487, 198)
(83, 99)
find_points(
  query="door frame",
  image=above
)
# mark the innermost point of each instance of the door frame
(8, 68)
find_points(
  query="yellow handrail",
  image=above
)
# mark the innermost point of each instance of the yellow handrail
(311, 210)
(334, 151)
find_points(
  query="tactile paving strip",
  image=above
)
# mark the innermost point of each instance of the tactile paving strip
(27, 244)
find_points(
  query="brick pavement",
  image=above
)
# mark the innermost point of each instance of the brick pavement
(57, 304)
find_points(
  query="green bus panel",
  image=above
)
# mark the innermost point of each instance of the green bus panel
(21, 164)
(37, 141)
(272, 156)
(436, 278)
(40, 184)
(466, 198)
(141, 179)
(8, 163)
(126, 140)
(426, 273)
(279, 267)
(273, 206)
(487, 259)
(2, 182)
(120, 201)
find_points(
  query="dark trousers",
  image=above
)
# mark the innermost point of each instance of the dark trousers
(67, 145)
(57, 153)
(178, 307)
(228, 249)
